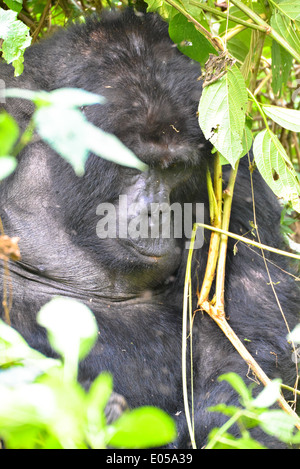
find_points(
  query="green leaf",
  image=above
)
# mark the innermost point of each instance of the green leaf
(59, 127)
(287, 118)
(189, 40)
(71, 326)
(9, 133)
(285, 28)
(222, 111)
(290, 7)
(161, 7)
(97, 399)
(15, 5)
(68, 132)
(16, 38)
(224, 409)
(7, 166)
(145, 427)
(295, 335)
(108, 146)
(282, 63)
(275, 167)
(238, 385)
(279, 424)
(238, 48)
(69, 98)
(247, 144)
(268, 395)
(19, 363)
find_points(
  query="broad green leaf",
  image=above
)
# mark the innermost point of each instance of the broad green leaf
(268, 395)
(287, 118)
(16, 38)
(290, 7)
(68, 132)
(20, 363)
(238, 48)
(189, 40)
(109, 147)
(275, 167)
(14, 348)
(161, 7)
(63, 129)
(145, 427)
(222, 111)
(69, 98)
(7, 166)
(286, 29)
(71, 326)
(279, 424)
(281, 66)
(15, 5)
(247, 144)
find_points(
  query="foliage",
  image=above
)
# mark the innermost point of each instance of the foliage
(253, 412)
(253, 34)
(58, 120)
(43, 406)
(16, 39)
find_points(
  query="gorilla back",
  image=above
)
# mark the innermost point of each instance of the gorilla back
(134, 285)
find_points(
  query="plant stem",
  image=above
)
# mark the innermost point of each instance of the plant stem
(220, 278)
(270, 31)
(25, 138)
(187, 297)
(215, 42)
(255, 62)
(249, 241)
(239, 346)
(216, 221)
(222, 14)
(224, 429)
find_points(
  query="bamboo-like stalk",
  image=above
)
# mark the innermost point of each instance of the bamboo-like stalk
(216, 221)
(220, 277)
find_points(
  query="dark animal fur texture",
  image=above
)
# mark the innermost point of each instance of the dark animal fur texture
(135, 288)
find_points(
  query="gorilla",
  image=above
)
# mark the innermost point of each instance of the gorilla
(134, 285)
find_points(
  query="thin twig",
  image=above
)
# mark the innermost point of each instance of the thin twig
(249, 241)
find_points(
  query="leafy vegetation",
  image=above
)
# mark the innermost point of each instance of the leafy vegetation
(254, 412)
(43, 406)
(249, 53)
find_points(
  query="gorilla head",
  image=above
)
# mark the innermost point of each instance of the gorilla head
(100, 237)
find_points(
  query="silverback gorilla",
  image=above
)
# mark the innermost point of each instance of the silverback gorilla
(135, 286)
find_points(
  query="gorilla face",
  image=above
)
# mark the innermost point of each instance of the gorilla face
(151, 219)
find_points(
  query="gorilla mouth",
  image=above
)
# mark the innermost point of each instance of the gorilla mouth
(154, 250)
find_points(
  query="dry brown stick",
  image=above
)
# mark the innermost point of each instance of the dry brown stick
(239, 346)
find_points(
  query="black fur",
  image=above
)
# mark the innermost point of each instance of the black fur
(152, 93)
